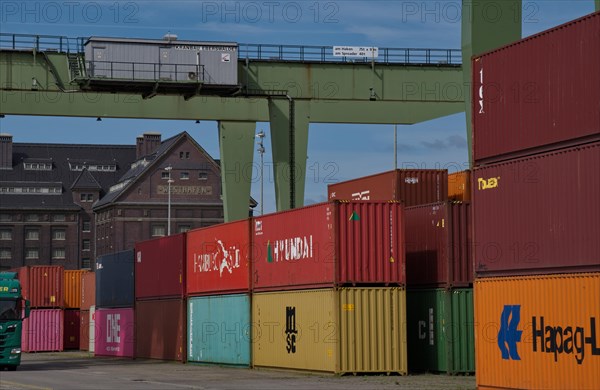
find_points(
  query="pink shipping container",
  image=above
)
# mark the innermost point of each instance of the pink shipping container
(411, 186)
(43, 331)
(160, 267)
(88, 290)
(114, 332)
(538, 215)
(218, 259)
(329, 244)
(43, 285)
(438, 245)
(538, 94)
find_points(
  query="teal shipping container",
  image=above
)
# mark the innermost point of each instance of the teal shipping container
(440, 330)
(219, 329)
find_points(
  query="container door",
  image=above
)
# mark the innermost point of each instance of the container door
(99, 67)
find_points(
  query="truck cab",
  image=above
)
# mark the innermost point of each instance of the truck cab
(13, 310)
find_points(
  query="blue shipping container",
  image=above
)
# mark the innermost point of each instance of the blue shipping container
(219, 329)
(114, 280)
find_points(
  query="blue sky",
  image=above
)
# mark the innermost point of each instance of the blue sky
(336, 152)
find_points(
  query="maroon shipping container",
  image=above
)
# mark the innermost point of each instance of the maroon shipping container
(538, 94)
(438, 245)
(413, 187)
(160, 267)
(218, 259)
(160, 330)
(43, 331)
(71, 328)
(43, 285)
(88, 290)
(84, 330)
(329, 244)
(538, 215)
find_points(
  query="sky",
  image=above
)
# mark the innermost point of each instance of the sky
(336, 152)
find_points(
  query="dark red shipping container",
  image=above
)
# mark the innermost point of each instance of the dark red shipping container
(88, 290)
(84, 330)
(538, 215)
(160, 329)
(413, 187)
(160, 267)
(218, 259)
(438, 245)
(538, 94)
(43, 285)
(329, 244)
(72, 318)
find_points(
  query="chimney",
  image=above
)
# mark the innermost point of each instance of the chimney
(147, 144)
(139, 147)
(6, 151)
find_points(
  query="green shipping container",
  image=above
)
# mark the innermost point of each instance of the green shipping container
(441, 330)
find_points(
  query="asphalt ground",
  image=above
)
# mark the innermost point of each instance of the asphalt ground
(80, 371)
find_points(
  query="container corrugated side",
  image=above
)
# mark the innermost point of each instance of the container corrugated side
(538, 332)
(218, 259)
(88, 290)
(219, 329)
(348, 330)
(539, 214)
(72, 281)
(538, 94)
(114, 332)
(72, 323)
(459, 186)
(43, 331)
(42, 285)
(160, 329)
(440, 330)
(114, 280)
(160, 267)
(84, 330)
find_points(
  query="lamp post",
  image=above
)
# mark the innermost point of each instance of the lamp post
(169, 181)
(261, 151)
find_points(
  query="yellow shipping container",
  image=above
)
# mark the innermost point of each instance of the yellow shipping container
(538, 332)
(72, 284)
(347, 330)
(459, 186)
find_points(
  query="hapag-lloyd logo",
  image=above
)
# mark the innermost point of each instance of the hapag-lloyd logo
(220, 260)
(509, 336)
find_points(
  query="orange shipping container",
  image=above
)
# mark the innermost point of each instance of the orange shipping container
(88, 290)
(538, 332)
(459, 186)
(72, 280)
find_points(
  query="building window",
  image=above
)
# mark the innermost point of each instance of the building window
(85, 245)
(5, 253)
(164, 175)
(86, 197)
(187, 154)
(158, 230)
(37, 166)
(59, 218)
(32, 218)
(202, 175)
(183, 228)
(87, 226)
(5, 218)
(59, 234)
(90, 197)
(181, 155)
(184, 175)
(5, 234)
(32, 234)
(32, 253)
(58, 253)
(85, 263)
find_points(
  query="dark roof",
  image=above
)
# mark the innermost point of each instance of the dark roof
(62, 157)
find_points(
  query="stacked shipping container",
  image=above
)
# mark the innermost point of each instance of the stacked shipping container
(88, 307)
(535, 195)
(72, 315)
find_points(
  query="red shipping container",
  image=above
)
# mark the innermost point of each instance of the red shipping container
(160, 267)
(71, 329)
(114, 332)
(218, 259)
(413, 187)
(538, 94)
(43, 331)
(438, 245)
(329, 244)
(538, 215)
(160, 331)
(88, 290)
(84, 330)
(42, 285)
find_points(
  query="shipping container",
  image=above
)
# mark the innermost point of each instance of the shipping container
(72, 280)
(219, 329)
(42, 285)
(539, 214)
(459, 186)
(88, 290)
(160, 329)
(84, 330)
(538, 332)
(538, 94)
(347, 330)
(114, 332)
(160, 267)
(114, 280)
(411, 186)
(438, 245)
(329, 244)
(43, 331)
(218, 259)
(72, 321)
(92, 330)
(440, 330)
